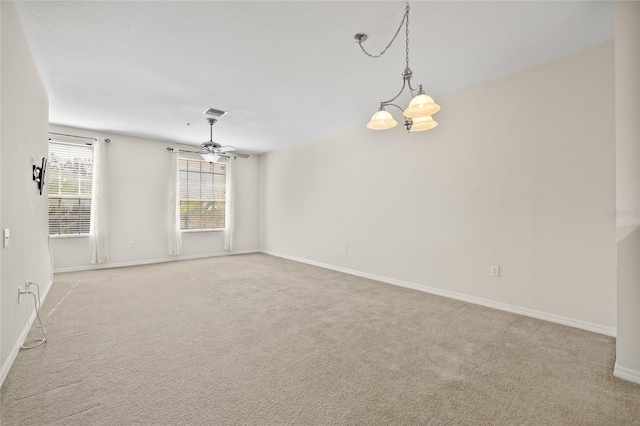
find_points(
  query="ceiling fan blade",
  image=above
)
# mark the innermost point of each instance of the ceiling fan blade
(225, 149)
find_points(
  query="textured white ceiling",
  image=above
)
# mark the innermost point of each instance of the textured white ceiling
(286, 71)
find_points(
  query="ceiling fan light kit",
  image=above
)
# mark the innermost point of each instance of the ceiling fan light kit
(211, 158)
(417, 116)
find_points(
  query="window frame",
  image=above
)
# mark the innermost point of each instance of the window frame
(58, 196)
(213, 199)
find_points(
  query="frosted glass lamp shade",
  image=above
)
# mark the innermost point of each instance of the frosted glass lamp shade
(423, 123)
(421, 106)
(381, 120)
(210, 157)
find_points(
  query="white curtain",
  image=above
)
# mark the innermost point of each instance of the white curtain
(230, 201)
(98, 231)
(174, 239)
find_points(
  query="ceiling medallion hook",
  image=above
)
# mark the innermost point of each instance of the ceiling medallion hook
(417, 116)
(360, 37)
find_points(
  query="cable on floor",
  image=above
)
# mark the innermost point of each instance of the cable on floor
(35, 341)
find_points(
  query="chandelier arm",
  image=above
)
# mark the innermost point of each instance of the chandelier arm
(404, 83)
(412, 89)
(405, 21)
(384, 104)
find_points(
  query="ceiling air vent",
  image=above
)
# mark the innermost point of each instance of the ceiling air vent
(215, 112)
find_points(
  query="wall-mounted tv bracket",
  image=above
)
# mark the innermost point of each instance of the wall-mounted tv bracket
(38, 174)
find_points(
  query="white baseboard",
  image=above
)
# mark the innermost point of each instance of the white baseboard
(625, 373)
(584, 325)
(152, 261)
(25, 331)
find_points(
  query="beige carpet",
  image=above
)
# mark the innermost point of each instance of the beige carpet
(258, 340)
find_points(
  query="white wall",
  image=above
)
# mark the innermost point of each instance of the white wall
(23, 135)
(138, 180)
(518, 174)
(627, 72)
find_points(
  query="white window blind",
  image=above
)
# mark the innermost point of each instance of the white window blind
(69, 178)
(202, 194)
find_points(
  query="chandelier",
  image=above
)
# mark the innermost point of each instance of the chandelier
(417, 116)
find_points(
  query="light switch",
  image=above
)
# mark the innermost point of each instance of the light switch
(6, 233)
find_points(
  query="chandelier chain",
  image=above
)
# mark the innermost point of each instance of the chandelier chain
(407, 34)
(405, 21)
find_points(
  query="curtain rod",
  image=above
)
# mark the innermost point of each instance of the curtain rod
(80, 137)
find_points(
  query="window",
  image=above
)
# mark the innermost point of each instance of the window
(70, 175)
(202, 194)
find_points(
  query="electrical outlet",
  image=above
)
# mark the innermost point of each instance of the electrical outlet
(494, 271)
(132, 244)
(344, 248)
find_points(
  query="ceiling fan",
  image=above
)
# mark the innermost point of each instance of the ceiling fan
(211, 151)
